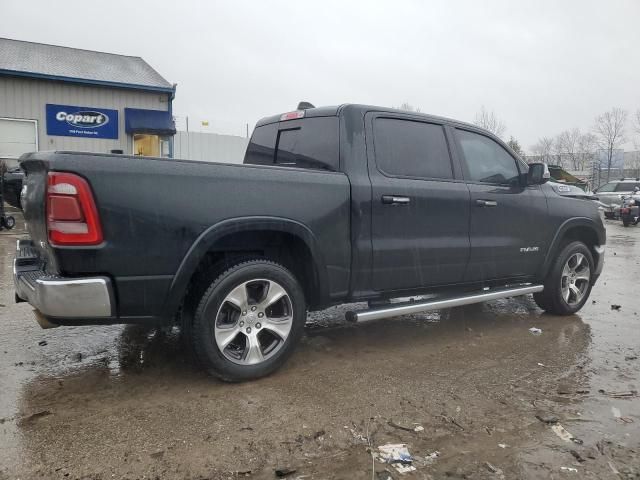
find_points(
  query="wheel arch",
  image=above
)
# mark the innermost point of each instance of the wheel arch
(250, 235)
(583, 229)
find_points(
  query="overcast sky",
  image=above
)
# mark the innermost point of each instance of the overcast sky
(542, 66)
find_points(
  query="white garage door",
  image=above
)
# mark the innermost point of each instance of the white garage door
(17, 137)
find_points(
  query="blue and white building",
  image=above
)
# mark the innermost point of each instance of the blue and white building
(60, 98)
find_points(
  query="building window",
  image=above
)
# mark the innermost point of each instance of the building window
(151, 145)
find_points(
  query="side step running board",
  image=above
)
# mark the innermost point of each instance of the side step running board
(436, 304)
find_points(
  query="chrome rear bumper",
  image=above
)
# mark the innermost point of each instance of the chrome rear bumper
(60, 297)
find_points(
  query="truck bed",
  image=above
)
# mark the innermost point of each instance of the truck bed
(153, 211)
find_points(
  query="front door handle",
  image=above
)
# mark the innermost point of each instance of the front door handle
(486, 203)
(395, 200)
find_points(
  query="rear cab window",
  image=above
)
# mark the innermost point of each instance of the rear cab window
(310, 143)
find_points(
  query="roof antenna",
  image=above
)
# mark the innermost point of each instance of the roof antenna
(305, 105)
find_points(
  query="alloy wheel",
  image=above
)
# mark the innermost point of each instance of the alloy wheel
(575, 279)
(253, 321)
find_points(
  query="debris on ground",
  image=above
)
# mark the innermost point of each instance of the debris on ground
(356, 435)
(618, 416)
(402, 468)
(535, 331)
(628, 358)
(626, 394)
(396, 454)
(384, 476)
(503, 445)
(451, 420)
(577, 456)
(616, 307)
(548, 419)
(284, 471)
(425, 461)
(406, 428)
(541, 364)
(613, 468)
(34, 416)
(416, 427)
(561, 432)
(42, 343)
(569, 469)
(157, 454)
(491, 468)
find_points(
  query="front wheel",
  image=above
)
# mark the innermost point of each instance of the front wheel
(568, 284)
(249, 321)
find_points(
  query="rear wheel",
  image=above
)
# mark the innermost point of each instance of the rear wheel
(249, 321)
(626, 220)
(568, 284)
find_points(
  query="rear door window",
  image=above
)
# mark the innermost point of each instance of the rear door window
(407, 148)
(486, 160)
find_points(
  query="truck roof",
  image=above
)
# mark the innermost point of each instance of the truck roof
(337, 110)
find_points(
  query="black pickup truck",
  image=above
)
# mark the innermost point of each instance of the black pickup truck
(332, 205)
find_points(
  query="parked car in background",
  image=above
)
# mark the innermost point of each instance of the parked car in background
(630, 208)
(12, 180)
(333, 205)
(610, 195)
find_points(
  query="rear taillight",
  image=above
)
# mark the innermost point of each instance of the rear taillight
(72, 216)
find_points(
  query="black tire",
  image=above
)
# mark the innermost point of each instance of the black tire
(202, 332)
(551, 299)
(9, 222)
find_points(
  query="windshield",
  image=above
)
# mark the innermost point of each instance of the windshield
(609, 187)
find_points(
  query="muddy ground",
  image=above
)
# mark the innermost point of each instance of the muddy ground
(124, 402)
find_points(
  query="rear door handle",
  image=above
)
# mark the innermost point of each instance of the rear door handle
(486, 203)
(395, 200)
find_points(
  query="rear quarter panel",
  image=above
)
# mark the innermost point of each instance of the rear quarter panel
(152, 211)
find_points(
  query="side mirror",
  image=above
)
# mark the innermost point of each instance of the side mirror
(538, 174)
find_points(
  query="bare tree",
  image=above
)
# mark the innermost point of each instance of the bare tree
(489, 121)
(636, 123)
(567, 146)
(515, 146)
(587, 146)
(544, 149)
(407, 107)
(632, 163)
(609, 131)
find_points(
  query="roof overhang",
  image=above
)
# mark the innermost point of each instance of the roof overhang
(157, 122)
(86, 81)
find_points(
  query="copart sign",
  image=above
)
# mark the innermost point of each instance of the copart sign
(74, 121)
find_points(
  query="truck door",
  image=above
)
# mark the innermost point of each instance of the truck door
(508, 220)
(420, 207)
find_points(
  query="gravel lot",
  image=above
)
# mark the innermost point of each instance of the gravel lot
(126, 402)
